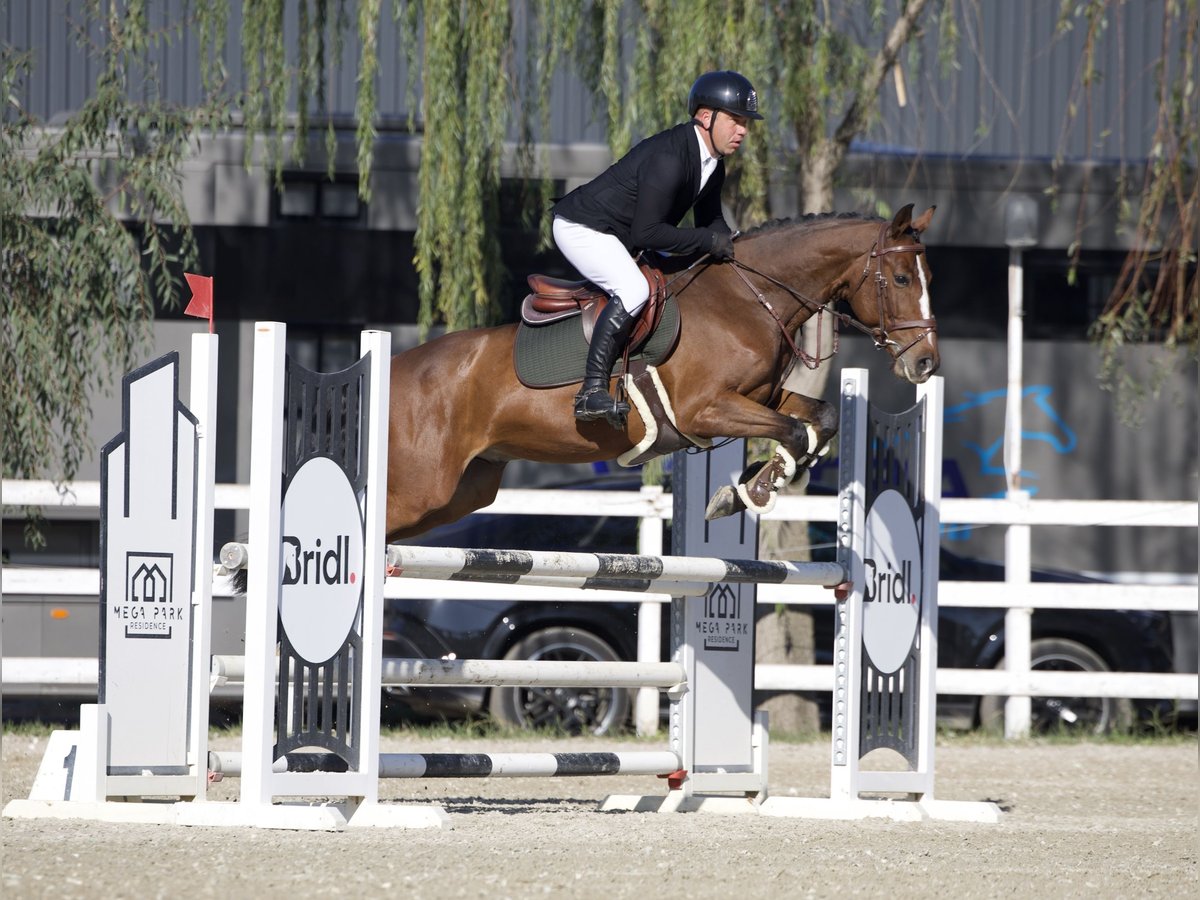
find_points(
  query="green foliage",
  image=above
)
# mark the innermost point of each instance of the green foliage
(264, 105)
(464, 106)
(80, 282)
(555, 30)
(1156, 297)
(365, 104)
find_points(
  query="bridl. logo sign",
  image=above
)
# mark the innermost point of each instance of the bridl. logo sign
(892, 582)
(304, 566)
(322, 561)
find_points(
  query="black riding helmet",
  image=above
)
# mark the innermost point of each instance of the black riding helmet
(726, 91)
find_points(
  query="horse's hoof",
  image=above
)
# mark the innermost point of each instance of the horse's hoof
(758, 492)
(725, 502)
(756, 497)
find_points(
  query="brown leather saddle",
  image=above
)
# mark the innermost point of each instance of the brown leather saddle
(552, 299)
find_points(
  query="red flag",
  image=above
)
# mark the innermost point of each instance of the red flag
(201, 304)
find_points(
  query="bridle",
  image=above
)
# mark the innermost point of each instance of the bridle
(880, 334)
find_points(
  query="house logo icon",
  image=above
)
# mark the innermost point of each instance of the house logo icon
(148, 611)
(721, 625)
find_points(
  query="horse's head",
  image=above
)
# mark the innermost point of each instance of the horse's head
(892, 296)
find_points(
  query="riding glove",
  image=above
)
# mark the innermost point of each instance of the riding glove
(720, 245)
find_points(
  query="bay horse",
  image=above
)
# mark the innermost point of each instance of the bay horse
(459, 413)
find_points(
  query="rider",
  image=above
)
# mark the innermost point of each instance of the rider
(637, 204)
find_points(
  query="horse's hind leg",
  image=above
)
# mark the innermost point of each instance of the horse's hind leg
(475, 489)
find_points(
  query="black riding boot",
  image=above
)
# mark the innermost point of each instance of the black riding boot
(609, 335)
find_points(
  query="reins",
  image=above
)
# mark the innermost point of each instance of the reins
(810, 362)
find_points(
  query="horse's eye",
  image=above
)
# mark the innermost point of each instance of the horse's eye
(902, 280)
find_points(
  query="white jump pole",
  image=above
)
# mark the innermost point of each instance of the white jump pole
(503, 672)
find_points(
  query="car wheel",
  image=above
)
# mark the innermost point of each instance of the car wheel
(573, 710)
(1081, 715)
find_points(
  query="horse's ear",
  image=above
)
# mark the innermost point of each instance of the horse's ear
(920, 223)
(900, 223)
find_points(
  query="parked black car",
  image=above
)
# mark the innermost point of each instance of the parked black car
(1129, 640)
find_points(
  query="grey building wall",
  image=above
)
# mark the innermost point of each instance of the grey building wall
(1013, 104)
(64, 71)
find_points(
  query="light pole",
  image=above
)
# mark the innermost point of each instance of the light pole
(1020, 231)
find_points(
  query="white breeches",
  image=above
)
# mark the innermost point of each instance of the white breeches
(603, 260)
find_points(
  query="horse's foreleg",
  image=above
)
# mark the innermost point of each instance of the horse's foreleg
(821, 424)
(737, 416)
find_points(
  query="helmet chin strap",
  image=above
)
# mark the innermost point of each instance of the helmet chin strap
(712, 141)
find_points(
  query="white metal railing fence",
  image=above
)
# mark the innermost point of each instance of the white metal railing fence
(652, 506)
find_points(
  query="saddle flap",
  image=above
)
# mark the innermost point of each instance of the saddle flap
(651, 313)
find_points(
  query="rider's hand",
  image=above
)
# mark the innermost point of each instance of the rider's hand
(720, 245)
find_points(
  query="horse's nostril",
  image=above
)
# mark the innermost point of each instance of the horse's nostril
(926, 366)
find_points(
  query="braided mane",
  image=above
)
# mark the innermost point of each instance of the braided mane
(809, 222)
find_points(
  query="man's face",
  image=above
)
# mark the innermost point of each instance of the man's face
(728, 130)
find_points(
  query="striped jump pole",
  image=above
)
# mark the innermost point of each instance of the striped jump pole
(471, 765)
(511, 566)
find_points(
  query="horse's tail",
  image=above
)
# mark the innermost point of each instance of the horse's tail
(234, 560)
(237, 582)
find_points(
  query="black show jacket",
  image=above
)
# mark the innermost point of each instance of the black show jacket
(643, 196)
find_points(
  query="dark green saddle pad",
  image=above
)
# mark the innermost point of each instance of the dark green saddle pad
(554, 354)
